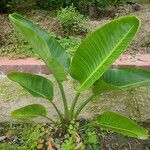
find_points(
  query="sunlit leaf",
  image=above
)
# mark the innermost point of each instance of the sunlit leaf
(36, 85)
(122, 78)
(48, 48)
(120, 124)
(30, 111)
(96, 54)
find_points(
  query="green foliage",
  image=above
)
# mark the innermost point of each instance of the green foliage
(118, 123)
(92, 59)
(57, 61)
(49, 4)
(15, 5)
(82, 136)
(16, 47)
(3, 4)
(32, 135)
(34, 84)
(91, 137)
(70, 44)
(106, 3)
(84, 6)
(122, 79)
(28, 136)
(53, 4)
(71, 142)
(30, 111)
(104, 48)
(71, 20)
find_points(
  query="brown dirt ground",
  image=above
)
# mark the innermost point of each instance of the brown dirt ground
(118, 142)
(47, 21)
(113, 141)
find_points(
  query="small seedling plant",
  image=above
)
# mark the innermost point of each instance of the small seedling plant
(90, 66)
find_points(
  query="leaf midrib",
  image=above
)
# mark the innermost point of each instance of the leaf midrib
(97, 68)
(37, 93)
(134, 84)
(127, 85)
(47, 58)
(117, 128)
(33, 32)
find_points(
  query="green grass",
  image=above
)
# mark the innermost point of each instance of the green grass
(27, 135)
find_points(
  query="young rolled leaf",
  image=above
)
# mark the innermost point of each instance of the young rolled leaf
(36, 85)
(120, 124)
(122, 78)
(96, 54)
(30, 111)
(45, 46)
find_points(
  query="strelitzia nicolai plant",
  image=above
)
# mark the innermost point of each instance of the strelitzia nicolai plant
(90, 65)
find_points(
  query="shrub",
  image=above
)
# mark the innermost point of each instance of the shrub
(84, 6)
(15, 5)
(53, 4)
(4, 5)
(90, 66)
(49, 4)
(70, 44)
(106, 3)
(71, 20)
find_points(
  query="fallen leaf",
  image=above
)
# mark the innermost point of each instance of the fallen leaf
(49, 145)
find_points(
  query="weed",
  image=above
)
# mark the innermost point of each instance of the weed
(71, 20)
(70, 44)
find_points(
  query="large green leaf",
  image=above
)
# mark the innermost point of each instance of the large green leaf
(30, 111)
(96, 54)
(122, 78)
(45, 46)
(36, 85)
(120, 124)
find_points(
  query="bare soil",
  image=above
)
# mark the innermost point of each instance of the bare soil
(117, 142)
(113, 141)
(47, 20)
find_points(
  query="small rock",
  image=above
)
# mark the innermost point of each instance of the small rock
(2, 138)
(41, 141)
(15, 139)
(10, 135)
(40, 146)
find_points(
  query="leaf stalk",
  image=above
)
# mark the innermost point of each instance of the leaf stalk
(66, 110)
(74, 104)
(83, 105)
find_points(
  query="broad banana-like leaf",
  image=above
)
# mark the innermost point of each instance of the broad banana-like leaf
(30, 111)
(120, 124)
(122, 78)
(36, 85)
(96, 54)
(45, 46)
